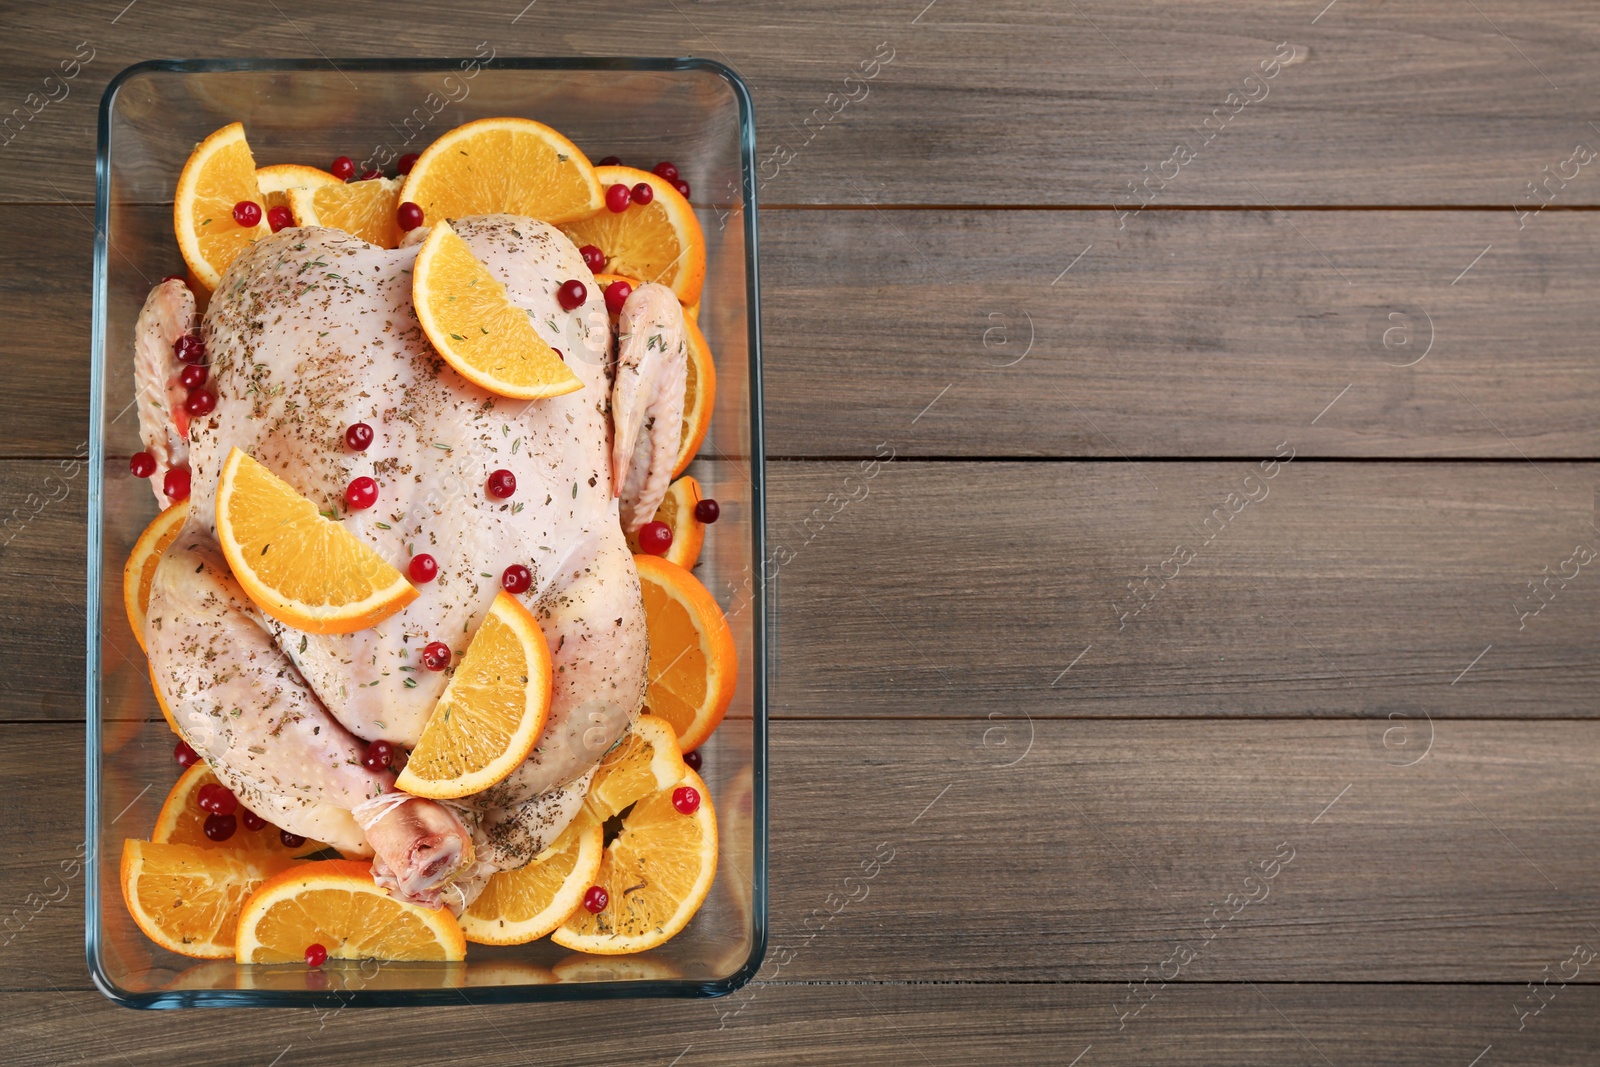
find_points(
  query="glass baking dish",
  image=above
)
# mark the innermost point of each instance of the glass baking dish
(692, 111)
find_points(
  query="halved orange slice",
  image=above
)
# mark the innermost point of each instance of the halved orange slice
(140, 570)
(677, 511)
(277, 180)
(336, 904)
(694, 664)
(657, 242)
(491, 714)
(646, 759)
(473, 324)
(220, 173)
(364, 209)
(181, 821)
(521, 905)
(301, 568)
(656, 874)
(509, 165)
(699, 397)
(188, 899)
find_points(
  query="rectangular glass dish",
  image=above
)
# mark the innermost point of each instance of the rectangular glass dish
(694, 112)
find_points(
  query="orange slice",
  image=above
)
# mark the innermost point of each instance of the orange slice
(694, 665)
(161, 702)
(692, 311)
(473, 324)
(509, 165)
(677, 511)
(658, 242)
(363, 209)
(491, 714)
(181, 821)
(656, 874)
(140, 570)
(699, 397)
(518, 906)
(220, 173)
(336, 904)
(277, 180)
(301, 568)
(186, 898)
(645, 760)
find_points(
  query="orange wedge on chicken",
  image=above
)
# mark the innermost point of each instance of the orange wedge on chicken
(471, 321)
(491, 714)
(187, 898)
(677, 511)
(520, 905)
(336, 904)
(694, 665)
(646, 759)
(366, 209)
(656, 874)
(220, 173)
(140, 570)
(510, 165)
(657, 242)
(303, 569)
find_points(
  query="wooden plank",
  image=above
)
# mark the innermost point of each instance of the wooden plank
(924, 1025)
(978, 103)
(1187, 334)
(964, 589)
(1011, 850)
(958, 333)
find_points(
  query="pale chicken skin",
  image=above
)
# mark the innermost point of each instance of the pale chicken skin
(310, 332)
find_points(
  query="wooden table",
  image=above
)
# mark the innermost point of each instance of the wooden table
(1194, 671)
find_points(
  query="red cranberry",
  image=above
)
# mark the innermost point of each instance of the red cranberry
(502, 484)
(358, 436)
(559, 356)
(655, 538)
(665, 171)
(682, 187)
(344, 168)
(693, 759)
(593, 258)
(200, 402)
(617, 294)
(424, 568)
(279, 217)
(609, 161)
(186, 756)
(217, 799)
(175, 278)
(643, 193)
(361, 493)
(247, 213)
(377, 756)
(190, 348)
(406, 162)
(220, 827)
(290, 840)
(316, 955)
(686, 798)
(617, 197)
(409, 216)
(708, 511)
(251, 820)
(143, 465)
(596, 899)
(371, 173)
(571, 294)
(516, 579)
(436, 657)
(176, 484)
(192, 376)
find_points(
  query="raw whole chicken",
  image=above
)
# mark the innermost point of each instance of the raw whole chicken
(311, 331)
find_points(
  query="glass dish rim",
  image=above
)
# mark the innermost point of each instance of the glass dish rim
(234, 998)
